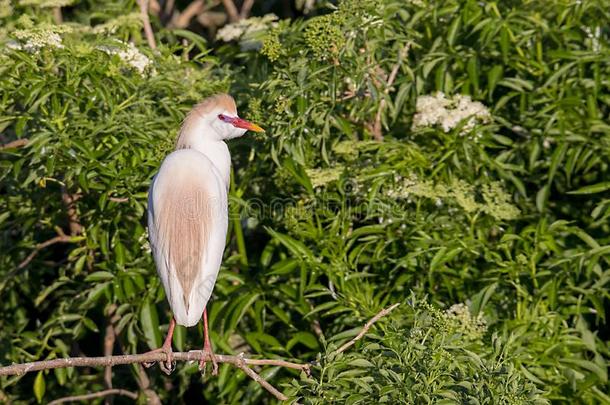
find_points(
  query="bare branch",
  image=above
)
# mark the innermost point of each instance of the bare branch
(57, 16)
(99, 394)
(231, 10)
(193, 355)
(70, 202)
(366, 328)
(183, 19)
(39, 247)
(377, 127)
(252, 374)
(245, 9)
(144, 384)
(151, 357)
(15, 144)
(150, 36)
(109, 339)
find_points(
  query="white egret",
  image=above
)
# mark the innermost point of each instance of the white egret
(188, 213)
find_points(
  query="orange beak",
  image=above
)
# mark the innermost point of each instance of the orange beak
(241, 123)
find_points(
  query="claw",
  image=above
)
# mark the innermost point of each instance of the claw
(208, 350)
(168, 365)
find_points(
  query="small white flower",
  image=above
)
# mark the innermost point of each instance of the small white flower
(231, 32)
(546, 143)
(143, 240)
(130, 55)
(34, 40)
(437, 109)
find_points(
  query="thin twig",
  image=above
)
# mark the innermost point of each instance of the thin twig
(183, 19)
(377, 127)
(366, 328)
(252, 374)
(141, 377)
(169, 7)
(15, 144)
(99, 394)
(109, 339)
(57, 16)
(144, 383)
(150, 36)
(231, 10)
(245, 9)
(39, 247)
(69, 201)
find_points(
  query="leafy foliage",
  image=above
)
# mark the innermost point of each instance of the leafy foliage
(501, 223)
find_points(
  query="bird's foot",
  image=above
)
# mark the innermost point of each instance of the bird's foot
(168, 365)
(207, 350)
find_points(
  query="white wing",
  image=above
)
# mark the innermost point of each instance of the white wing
(187, 226)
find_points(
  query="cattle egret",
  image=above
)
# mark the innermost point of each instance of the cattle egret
(188, 214)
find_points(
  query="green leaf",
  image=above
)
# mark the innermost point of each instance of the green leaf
(592, 189)
(99, 276)
(306, 338)
(542, 196)
(149, 320)
(39, 386)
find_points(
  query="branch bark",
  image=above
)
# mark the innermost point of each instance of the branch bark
(15, 144)
(69, 201)
(150, 357)
(377, 126)
(183, 19)
(144, 384)
(150, 36)
(365, 329)
(252, 374)
(231, 10)
(245, 9)
(57, 16)
(58, 239)
(109, 339)
(94, 395)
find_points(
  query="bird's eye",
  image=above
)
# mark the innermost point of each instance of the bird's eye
(223, 118)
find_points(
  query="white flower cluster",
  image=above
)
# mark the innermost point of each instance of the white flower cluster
(449, 112)
(594, 38)
(6, 8)
(34, 40)
(462, 319)
(247, 27)
(131, 20)
(46, 3)
(321, 177)
(130, 55)
(143, 241)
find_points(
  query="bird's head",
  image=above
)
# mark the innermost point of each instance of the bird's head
(218, 113)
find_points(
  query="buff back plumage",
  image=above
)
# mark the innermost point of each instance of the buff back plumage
(187, 224)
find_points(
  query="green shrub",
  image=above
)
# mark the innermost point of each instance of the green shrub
(457, 150)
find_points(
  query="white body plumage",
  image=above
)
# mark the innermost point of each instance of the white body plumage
(188, 207)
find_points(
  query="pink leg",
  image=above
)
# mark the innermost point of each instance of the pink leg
(167, 366)
(207, 346)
